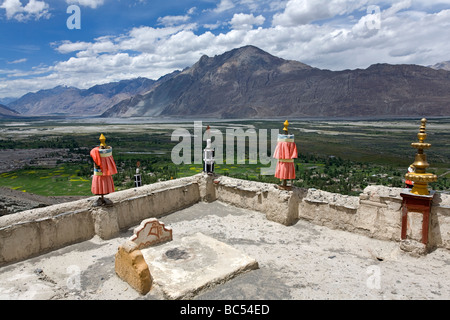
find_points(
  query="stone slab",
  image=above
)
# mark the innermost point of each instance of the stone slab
(184, 267)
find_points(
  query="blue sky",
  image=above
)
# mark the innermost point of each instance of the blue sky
(122, 39)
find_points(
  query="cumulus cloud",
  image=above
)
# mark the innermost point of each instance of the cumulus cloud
(246, 21)
(299, 12)
(87, 3)
(32, 10)
(173, 20)
(224, 5)
(68, 47)
(400, 39)
(170, 21)
(404, 33)
(214, 26)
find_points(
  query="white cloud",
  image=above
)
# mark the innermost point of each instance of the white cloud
(18, 61)
(399, 40)
(12, 7)
(68, 47)
(345, 40)
(170, 21)
(214, 26)
(396, 7)
(430, 3)
(299, 12)
(33, 9)
(87, 3)
(173, 20)
(224, 5)
(246, 21)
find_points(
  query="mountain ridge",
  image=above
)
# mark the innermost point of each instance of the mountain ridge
(6, 112)
(74, 101)
(445, 65)
(250, 83)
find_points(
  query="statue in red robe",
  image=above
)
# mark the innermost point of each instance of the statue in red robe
(104, 169)
(285, 152)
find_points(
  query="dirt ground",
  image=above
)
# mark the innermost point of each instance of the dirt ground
(12, 201)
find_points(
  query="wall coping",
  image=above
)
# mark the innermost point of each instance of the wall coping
(372, 195)
(88, 204)
(278, 205)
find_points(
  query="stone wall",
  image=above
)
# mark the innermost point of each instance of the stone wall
(375, 213)
(33, 232)
(278, 205)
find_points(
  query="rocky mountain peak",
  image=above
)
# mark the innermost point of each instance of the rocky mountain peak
(248, 82)
(442, 66)
(243, 60)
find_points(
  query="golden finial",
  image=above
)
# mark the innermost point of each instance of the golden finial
(422, 132)
(286, 125)
(102, 141)
(420, 177)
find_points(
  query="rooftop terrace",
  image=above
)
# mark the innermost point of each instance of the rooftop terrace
(308, 244)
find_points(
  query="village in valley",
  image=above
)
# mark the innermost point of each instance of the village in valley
(336, 157)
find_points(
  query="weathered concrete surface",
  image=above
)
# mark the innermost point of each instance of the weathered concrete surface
(302, 261)
(189, 265)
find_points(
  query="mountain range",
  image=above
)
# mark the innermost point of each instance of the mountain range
(442, 66)
(73, 101)
(6, 112)
(250, 83)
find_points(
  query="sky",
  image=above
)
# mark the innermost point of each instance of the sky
(82, 43)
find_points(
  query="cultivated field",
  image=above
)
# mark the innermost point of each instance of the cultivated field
(51, 157)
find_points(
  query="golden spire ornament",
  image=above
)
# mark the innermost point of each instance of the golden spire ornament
(102, 140)
(420, 177)
(286, 125)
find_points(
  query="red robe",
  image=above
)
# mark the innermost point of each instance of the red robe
(102, 182)
(285, 152)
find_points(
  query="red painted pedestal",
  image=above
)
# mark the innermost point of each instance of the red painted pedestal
(416, 203)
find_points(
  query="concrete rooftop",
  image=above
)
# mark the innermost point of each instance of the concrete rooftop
(299, 262)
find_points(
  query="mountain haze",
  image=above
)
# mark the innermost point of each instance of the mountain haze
(73, 101)
(442, 66)
(250, 83)
(6, 112)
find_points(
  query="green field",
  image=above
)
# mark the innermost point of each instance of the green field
(60, 181)
(335, 156)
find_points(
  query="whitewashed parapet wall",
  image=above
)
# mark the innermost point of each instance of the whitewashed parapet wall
(278, 205)
(375, 213)
(34, 232)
